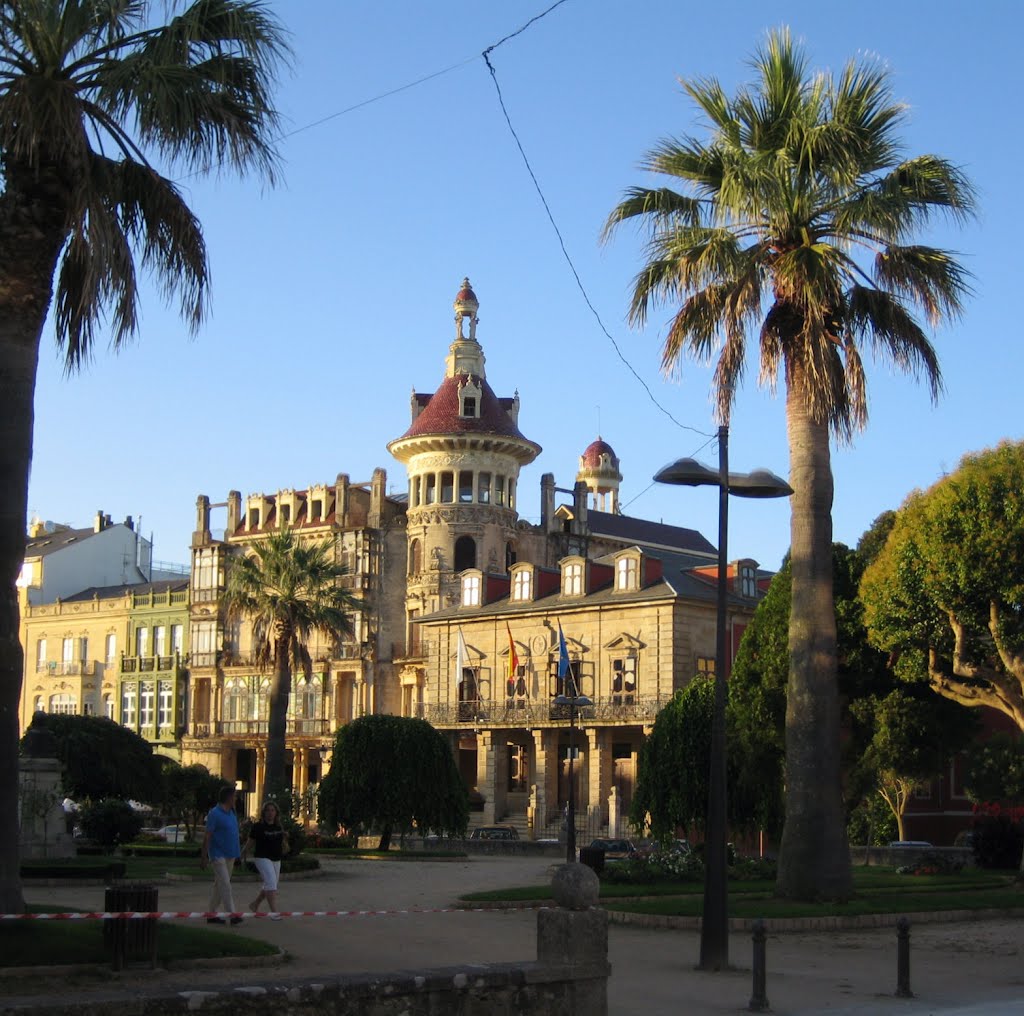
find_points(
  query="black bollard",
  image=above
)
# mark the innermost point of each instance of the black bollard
(759, 1000)
(903, 959)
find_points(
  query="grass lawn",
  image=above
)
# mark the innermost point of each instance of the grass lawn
(32, 943)
(354, 854)
(877, 890)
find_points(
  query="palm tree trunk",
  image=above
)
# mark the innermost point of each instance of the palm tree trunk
(274, 784)
(814, 856)
(31, 237)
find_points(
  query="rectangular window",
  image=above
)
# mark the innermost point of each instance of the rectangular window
(147, 703)
(521, 585)
(160, 640)
(511, 492)
(285, 514)
(87, 709)
(705, 665)
(67, 654)
(254, 518)
(431, 488)
(40, 654)
(177, 638)
(624, 681)
(627, 573)
(469, 406)
(128, 706)
(142, 642)
(748, 581)
(572, 580)
(207, 574)
(110, 650)
(483, 488)
(316, 511)
(465, 486)
(108, 707)
(83, 648)
(165, 704)
(499, 490)
(471, 591)
(447, 488)
(570, 684)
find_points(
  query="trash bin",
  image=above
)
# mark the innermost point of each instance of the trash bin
(593, 857)
(130, 936)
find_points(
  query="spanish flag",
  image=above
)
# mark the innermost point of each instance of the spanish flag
(513, 661)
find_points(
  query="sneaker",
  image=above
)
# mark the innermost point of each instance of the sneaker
(215, 920)
(234, 920)
(275, 917)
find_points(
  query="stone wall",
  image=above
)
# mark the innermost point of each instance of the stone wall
(494, 989)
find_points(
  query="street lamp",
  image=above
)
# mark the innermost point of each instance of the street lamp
(714, 933)
(572, 701)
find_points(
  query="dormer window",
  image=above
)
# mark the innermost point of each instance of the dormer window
(471, 590)
(469, 406)
(627, 573)
(748, 581)
(572, 579)
(522, 584)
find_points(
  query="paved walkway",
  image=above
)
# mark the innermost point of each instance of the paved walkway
(970, 969)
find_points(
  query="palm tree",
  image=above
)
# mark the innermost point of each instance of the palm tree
(86, 88)
(795, 226)
(288, 590)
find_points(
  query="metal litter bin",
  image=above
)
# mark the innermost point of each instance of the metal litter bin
(592, 857)
(130, 936)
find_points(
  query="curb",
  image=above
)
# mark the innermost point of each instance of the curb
(103, 969)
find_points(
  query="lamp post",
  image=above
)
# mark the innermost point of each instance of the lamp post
(714, 933)
(572, 701)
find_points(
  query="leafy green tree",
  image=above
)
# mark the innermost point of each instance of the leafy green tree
(672, 773)
(101, 759)
(995, 770)
(913, 735)
(288, 589)
(91, 91)
(795, 232)
(110, 822)
(944, 597)
(189, 792)
(393, 774)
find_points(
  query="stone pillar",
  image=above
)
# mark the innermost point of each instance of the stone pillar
(541, 776)
(40, 809)
(614, 813)
(598, 776)
(574, 934)
(485, 775)
(234, 511)
(341, 507)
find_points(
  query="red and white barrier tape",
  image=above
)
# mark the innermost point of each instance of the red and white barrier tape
(132, 915)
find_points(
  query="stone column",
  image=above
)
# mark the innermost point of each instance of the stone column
(574, 934)
(598, 781)
(485, 774)
(40, 809)
(541, 776)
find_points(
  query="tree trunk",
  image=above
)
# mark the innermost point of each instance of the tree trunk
(814, 855)
(385, 838)
(32, 233)
(274, 784)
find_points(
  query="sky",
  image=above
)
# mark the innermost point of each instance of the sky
(332, 293)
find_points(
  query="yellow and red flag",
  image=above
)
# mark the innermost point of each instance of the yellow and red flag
(513, 660)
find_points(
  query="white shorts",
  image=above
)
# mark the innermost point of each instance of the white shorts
(270, 872)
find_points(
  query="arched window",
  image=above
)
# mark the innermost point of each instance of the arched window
(415, 558)
(465, 553)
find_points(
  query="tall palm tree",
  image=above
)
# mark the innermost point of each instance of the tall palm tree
(87, 87)
(288, 590)
(795, 226)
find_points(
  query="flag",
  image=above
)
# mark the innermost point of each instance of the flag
(513, 661)
(563, 653)
(460, 659)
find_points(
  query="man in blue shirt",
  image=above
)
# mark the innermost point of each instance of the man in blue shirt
(220, 850)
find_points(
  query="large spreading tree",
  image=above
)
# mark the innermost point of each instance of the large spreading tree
(794, 232)
(288, 589)
(393, 775)
(946, 596)
(91, 91)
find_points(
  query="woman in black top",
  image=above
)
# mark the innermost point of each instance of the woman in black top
(269, 843)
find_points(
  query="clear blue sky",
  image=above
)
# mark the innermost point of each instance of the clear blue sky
(332, 294)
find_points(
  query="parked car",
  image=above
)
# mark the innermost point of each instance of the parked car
(173, 834)
(910, 844)
(614, 850)
(965, 838)
(494, 832)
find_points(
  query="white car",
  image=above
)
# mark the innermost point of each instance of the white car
(173, 833)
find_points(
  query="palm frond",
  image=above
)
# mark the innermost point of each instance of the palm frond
(930, 277)
(659, 208)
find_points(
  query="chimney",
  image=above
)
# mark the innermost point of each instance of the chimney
(547, 502)
(580, 492)
(341, 499)
(378, 485)
(129, 522)
(97, 523)
(234, 511)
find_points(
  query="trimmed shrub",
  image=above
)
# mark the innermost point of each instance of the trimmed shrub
(110, 822)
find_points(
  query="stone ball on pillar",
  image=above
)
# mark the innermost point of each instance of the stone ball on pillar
(39, 740)
(575, 887)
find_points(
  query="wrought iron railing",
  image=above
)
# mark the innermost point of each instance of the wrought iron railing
(530, 712)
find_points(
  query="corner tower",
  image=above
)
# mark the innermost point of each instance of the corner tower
(463, 452)
(599, 470)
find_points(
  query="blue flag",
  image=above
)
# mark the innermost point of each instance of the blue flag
(563, 654)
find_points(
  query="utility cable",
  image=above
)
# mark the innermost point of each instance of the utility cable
(568, 258)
